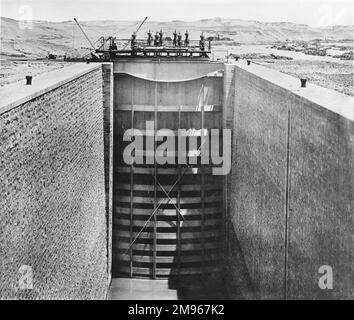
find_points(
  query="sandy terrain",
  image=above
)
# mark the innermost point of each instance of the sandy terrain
(332, 75)
(324, 71)
(65, 38)
(14, 71)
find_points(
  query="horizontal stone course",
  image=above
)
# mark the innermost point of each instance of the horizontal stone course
(52, 208)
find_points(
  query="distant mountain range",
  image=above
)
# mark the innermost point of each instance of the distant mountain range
(65, 37)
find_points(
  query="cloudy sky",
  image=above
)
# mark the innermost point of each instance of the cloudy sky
(312, 12)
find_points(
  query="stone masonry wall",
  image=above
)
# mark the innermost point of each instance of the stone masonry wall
(257, 189)
(321, 216)
(292, 185)
(108, 91)
(52, 186)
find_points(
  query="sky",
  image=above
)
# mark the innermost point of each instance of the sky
(311, 12)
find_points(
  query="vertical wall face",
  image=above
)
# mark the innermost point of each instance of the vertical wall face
(184, 236)
(321, 219)
(108, 116)
(291, 190)
(258, 187)
(52, 182)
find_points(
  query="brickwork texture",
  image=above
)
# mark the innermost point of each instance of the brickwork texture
(52, 185)
(257, 190)
(291, 195)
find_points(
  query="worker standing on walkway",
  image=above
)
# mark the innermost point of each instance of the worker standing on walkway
(133, 44)
(175, 38)
(179, 39)
(160, 38)
(156, 40)
(186, 40)
(149, 40)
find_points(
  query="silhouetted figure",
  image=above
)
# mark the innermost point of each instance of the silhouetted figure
(112, 44)
(150, 39)
(133, 44)
(156, 40)
(179, 39)
(186, 40)
(133, 40)
(175, 38)
(202, 42)
(160, 38)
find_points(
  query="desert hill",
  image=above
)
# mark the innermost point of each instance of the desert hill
(65, 37)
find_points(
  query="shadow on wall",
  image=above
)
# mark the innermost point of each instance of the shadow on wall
(289, 145)
(204, 285)
(239, 282)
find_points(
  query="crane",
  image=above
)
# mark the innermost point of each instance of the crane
(82, 30)
(94, 53)
(136, 31)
